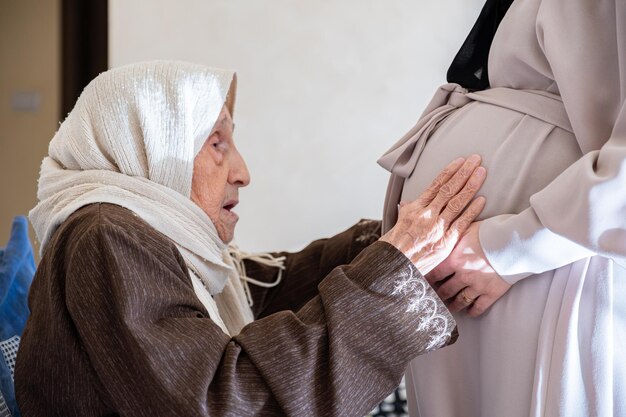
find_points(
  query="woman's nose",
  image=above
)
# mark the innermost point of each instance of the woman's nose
(240, 176)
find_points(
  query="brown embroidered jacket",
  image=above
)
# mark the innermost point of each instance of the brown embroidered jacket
(116, 329)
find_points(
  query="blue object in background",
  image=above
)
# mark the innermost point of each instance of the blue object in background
(17, 268)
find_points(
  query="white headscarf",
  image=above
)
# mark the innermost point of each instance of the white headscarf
(131, 140)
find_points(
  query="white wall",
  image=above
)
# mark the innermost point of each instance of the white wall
(325, 87)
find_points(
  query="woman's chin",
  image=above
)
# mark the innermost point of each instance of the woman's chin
(226, 227)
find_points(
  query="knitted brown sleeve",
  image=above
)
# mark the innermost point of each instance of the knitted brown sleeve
(305, 269)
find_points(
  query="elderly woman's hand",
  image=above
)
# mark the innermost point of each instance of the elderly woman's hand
(429, 227)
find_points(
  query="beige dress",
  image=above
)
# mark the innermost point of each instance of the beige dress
(552, 133)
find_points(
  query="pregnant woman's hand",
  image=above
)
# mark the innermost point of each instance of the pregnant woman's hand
(472, 282)
(429, 227)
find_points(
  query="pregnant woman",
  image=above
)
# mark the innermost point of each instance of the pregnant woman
(539, 282)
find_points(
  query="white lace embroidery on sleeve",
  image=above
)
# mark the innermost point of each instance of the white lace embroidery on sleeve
(420, 302)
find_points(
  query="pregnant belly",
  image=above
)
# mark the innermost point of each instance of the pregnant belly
(522, 154)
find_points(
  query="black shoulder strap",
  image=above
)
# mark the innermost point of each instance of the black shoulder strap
(469, 67)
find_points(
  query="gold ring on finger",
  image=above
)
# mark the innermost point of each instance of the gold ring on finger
(467, 300)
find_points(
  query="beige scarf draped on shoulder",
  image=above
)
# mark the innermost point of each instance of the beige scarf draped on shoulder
(131, 140)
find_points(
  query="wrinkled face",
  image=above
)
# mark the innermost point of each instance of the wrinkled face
(218, 173)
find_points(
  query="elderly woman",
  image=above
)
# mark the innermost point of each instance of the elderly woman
(138, 309)
(540, 282)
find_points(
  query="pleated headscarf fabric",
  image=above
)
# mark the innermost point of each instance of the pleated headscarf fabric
(131, 140)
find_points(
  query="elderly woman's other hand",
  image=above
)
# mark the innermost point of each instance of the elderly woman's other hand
(473, 283)
(428, 228)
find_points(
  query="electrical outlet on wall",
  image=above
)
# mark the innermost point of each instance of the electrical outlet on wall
(26, 101)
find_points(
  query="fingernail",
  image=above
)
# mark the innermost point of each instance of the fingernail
(480, 172)
(474, 158)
